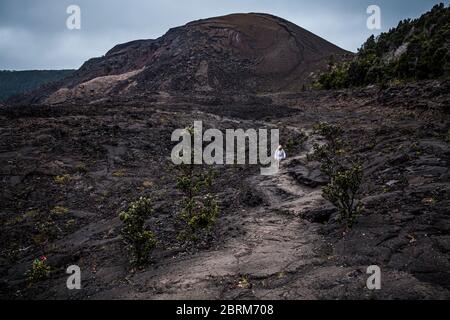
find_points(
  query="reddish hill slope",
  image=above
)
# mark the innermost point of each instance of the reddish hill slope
(239, 52)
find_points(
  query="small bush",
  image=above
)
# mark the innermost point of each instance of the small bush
(199, 209)
(345, 180)
(81, 168)
(329, 153)
(62, 179)
(200, 216)
(70, 223)
(39, 271)
(296, 141)
(59, 211)
(138, 240)
(119, 173)
(47, 230)
(244, 283)
(342, 192)
(330, 132)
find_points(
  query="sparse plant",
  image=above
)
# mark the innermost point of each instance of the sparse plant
(331, 132)
(138, 239)
(81, 168)
(62, 179)
(329, 153)
(47, 230)
(292, 143)
(199, 207)
(39, 271)
(200, 217)
(244, 283)
(119, 173)
(342, 192)
(59, 211)
(31, 214)
(345, 180)
(70, 223)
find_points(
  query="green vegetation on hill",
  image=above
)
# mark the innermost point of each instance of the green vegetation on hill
(15, 82)
(416, 49)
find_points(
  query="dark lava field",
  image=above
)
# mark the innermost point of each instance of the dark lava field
(66, 171)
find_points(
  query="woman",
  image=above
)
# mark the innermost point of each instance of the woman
(280, 155)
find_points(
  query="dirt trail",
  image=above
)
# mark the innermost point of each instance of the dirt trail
(273, 242)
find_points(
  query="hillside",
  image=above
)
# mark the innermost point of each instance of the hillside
(16, 82)
(239, 52)
(417, 49)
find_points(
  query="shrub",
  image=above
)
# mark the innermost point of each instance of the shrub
(39, 271)
(199, 208)
(342, 192)
(138, 240)
(345, 181)
(200, 217)
(295, 141)
(329, 131)
(81, 168)
(244, 283)
(198, 212)
(59, 211)
(62, 179)
(119, 173)
(47, 230)
(328, 154)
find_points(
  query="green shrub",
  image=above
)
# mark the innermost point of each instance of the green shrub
(329, 153)
(294, 141)
(330, 132)
(200, 216)
(59, 211)
(342, 192)
(199, 209)
(81, 168)
(39, 271)
(62, 179)
(343, 189)
(47, 230)
(138, 240)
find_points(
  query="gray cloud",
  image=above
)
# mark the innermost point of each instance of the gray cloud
(33, 34)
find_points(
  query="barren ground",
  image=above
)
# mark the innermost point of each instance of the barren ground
(276, 237)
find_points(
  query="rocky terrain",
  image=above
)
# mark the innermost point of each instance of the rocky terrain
(276, 237)
(76, 153)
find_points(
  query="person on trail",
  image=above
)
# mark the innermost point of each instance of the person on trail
(280, 155)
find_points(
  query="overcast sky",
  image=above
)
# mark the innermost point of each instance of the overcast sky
(33, 33)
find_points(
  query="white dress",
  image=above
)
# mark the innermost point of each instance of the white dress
(280, 155)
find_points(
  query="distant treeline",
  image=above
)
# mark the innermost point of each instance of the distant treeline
(14, 82)
(416, 49)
